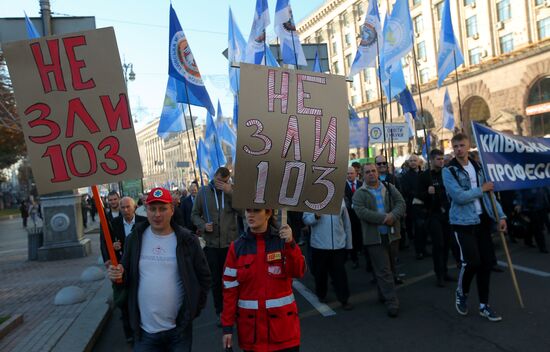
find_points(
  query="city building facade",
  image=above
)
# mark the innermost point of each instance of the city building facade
(505, 79)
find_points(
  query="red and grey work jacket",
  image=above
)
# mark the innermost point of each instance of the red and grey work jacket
(257, 293)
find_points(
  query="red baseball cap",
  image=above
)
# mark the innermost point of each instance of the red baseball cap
(159, 194)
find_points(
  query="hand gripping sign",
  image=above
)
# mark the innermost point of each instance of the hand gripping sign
(292, 140)
(74, 111)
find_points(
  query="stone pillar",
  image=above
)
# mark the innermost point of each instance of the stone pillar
(63, 229)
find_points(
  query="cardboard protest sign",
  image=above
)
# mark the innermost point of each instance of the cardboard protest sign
(74, 109)
(292, 140)
(513, 162)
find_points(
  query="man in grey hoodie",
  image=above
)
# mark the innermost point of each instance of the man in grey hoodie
(330, 240)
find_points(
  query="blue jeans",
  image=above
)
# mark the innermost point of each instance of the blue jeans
(176, 339)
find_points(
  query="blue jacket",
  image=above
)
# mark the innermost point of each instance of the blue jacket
(330, 231)
(463, 195)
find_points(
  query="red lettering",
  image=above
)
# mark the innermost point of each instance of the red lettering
(42, 120)
(329, 139)
(292, 135)
(76, 65)
(92, 160)
(302, 94)
(113, 144)
(120, 112)
(271, 95)
(76, 108)
(45, 69)
(57, 163)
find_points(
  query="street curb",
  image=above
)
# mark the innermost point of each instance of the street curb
(10, 217)
(10, 324)
(84, 331)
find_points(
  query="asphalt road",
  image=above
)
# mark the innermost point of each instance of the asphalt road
(427, 321)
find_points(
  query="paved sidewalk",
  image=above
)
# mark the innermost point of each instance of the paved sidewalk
(29, 288)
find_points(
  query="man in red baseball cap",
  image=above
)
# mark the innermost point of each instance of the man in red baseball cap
(162, 264)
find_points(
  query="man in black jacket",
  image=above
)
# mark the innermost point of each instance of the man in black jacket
(353, 184)
(166, 276)
(120, 227)
(186, 205)
(431, 191)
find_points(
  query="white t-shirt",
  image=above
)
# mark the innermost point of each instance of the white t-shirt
(160, 291)
(473, 183)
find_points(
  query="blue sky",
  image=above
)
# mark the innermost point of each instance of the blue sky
(141, 29)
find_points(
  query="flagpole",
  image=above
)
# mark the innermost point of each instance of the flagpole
(458, 92)
(382, 109)
(391, 129)
(422, 118)
(265, 48)
(197, 150)
(293, 45)
(189, 143)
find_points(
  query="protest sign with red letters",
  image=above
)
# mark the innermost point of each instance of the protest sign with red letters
(292, 140)
(74, 110)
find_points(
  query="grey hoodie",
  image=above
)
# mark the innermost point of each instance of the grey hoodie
(330, 231)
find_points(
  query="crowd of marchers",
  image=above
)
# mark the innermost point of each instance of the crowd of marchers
(173, 248)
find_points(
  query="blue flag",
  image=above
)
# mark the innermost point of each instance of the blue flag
(213, 143)
(393, 81)
(182, 66)
(448, 47)
(235, 112)
(409, 120)
(291, 49)
(407, 102)
(255, 47)
(426, 147)
(219, 114)
(203, 159)
(228, 137)
(398, 35)
(448, 115)
(317, 62)
(32, 33)
(358, 130)
(236, 50)
(371, 36)
(271, 60)
(172, 118)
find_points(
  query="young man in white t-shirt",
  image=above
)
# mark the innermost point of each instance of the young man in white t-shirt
(471, 216)
(167, 278)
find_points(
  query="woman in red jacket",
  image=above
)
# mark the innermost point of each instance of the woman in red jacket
(257, 282)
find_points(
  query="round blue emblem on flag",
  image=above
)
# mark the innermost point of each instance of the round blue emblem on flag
(182, 59)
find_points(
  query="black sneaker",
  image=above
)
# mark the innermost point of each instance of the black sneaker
(461, 303)
(489, 313)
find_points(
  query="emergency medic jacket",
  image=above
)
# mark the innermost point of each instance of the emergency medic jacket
(258, 294)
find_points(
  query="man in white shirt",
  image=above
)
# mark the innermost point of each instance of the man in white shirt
(166, 276)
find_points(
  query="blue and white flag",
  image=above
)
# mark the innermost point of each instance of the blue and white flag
(32, 33)
(398, 35)
(271, 60)
(358, 130)
(407, 102)
(371, 36)
(219, 115)
(204, 163)
(213, 143)
(449, 51)
(393, 81)
(426, 147)
(409, 119)
(235, 112)
(317, 63)
(236, 50)
(255, 47)
(448, 115)
(291, 49)
(172, 118)
(229, 138)
(182, 66)
(513, 162)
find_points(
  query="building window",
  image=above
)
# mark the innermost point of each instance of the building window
(334, 47)
(475, 56)
(418, 24)
(336, 68)
(421, 50)
(345, 19)
(471, 26)
(330, 29)
(506, 43)
(354, 100)
(504, 11)
(416, 2)
(368, 74)
(348, 61)
(424, 75)
(539, 2)
(359, 10)
(347, 38)
(370, 94)
(469, 2)
(543, 28)
(439, 10)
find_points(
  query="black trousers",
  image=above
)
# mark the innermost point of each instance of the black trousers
(535, 228)
(440, 230)
(477, 255)
(327, 262)
(216, 261)
(420, 228)
(356, 240)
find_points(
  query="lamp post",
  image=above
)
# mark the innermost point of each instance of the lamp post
(129, 74)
